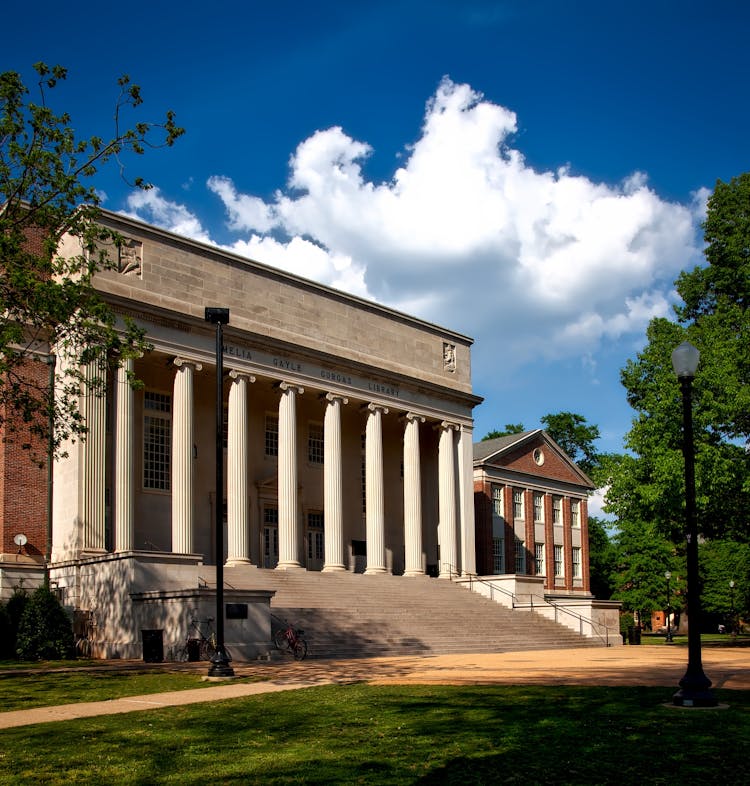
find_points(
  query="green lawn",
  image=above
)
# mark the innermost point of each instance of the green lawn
(360, 734)
(23, 691)
(707, 639)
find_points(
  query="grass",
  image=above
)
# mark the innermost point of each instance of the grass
(707, 639)
(21, 692)
(360, 734)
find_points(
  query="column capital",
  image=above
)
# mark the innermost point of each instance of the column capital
(446, 425)
(413, 416)
(335, 397)
(237, 375)
(179, 362)
(287, 387)
(375, 408)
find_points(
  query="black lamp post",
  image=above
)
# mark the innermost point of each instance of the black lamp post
(695, 686)
(668, 640)
(220, 661)
(731, 612)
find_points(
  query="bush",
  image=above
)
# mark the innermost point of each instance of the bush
(14, 608)
(45, 631)
(7, 635)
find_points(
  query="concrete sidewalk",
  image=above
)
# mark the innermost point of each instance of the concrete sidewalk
(644, 665)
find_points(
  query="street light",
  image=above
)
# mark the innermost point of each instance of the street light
(695, 686)
(220, 660)
(668, 640)
(731, 613)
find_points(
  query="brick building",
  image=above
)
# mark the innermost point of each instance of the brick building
(531, 515)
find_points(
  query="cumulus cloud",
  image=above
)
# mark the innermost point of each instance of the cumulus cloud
(467, 234)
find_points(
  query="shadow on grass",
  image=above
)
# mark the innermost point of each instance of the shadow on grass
(395, 735)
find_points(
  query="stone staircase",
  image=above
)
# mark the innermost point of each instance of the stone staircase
(347, 615)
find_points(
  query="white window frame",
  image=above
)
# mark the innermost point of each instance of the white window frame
(557, 515)
(576, 562)
(559, 561)
(538, 507)
(575, 513)
(518, 503)
(520, 555)
(315, 445)
(157, 441)
(271, 439)
(539, 557)
(498, 555)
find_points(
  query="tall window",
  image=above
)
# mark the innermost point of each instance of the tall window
(315, 443)
(272, 435)
(498, 555)
(157, 440)
(315, 536)
(538, 506)
(557, 510)
(517, 504)
(497, 502)
(576, 562)
(539, 556)
(575, 513)
(520, 556)
(558, 561)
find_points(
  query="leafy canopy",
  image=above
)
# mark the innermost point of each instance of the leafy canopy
(47, 299)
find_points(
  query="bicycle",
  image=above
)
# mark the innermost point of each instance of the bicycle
(200, 647)
(290, 641)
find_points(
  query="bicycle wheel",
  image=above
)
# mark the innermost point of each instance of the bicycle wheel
(281, 641)
(300, 649)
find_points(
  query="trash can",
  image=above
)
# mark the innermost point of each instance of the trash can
(634, 634)
(153, 645)
(194, 650)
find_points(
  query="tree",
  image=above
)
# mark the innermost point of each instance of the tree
(643, 556)
(47, 299)
(649, 485)
(45, 631)
(510, 428)
(575, 436)
(602, 559)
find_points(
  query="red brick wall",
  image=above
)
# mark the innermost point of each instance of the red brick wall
(23, 482)
(483, 526)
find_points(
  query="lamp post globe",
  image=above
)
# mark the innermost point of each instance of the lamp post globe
(695, 686)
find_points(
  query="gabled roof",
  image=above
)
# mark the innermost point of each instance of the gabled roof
(495, 451)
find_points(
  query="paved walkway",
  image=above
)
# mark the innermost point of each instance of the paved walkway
(644, 665)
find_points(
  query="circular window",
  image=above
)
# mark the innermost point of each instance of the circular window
(539, 456)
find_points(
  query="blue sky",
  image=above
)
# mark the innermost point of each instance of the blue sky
(532, 174)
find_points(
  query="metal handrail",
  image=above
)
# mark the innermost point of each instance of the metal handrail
(596, 627)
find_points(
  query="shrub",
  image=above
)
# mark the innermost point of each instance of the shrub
(7, 635)
(14, 608)
(45, 631)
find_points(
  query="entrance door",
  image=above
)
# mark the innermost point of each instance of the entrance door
(270, 537)
(314, 539)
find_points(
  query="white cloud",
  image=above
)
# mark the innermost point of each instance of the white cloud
(467, 234)
(151, 206)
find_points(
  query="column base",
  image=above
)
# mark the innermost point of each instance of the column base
(340, 568)
(238, 562)
(373, 571)
(289, 566)
(414, 573)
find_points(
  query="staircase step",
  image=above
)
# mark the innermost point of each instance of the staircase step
(347, 615)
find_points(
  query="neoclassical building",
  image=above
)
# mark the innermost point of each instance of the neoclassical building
(347, 431)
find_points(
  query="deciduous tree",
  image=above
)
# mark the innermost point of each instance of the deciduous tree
(47, 299)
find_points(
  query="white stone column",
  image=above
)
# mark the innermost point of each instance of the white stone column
(374, 490)
(412, 497)
(468, 553)
(124, 480)
(238, 446)
(333, 495)
(447, 500)
(289, 531)
(182, 457)
(93, 450)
